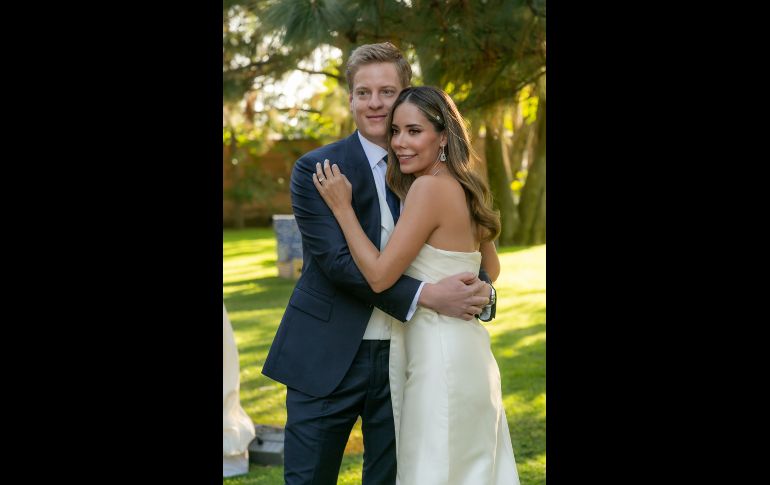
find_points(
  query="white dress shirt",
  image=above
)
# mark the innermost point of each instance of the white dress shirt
(378, 327)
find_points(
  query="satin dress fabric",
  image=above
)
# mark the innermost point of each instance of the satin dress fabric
(448, 411)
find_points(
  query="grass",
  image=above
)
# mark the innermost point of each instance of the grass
(256, 298)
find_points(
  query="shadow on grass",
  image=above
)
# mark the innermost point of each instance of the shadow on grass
(269, 263)
(257, 304)
(238, 251)
(268, 293)
(522, 374)
(350, 473)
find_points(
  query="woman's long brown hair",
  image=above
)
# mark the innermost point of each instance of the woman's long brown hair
(442, 113)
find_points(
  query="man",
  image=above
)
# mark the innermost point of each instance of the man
(331, 348)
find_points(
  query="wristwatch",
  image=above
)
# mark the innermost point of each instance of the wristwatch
(488, 313)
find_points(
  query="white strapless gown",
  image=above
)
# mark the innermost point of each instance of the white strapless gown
(445, 386)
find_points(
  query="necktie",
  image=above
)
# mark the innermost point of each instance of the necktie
(391, 198)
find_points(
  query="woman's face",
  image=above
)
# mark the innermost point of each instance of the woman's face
(414, 140)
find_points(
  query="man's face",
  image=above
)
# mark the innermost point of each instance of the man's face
(375, 89)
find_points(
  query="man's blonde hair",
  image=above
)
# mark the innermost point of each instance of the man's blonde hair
(382, 52)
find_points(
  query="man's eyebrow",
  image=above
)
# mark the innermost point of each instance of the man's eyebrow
(367, 87)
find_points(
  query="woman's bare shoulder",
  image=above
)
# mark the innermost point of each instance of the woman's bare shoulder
(431, 183)
(436, 189)
(440, 194)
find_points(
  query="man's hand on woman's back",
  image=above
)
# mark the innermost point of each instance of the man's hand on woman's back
(460, 296)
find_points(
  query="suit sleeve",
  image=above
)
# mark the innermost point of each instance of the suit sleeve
(324, 239)
(484, 276)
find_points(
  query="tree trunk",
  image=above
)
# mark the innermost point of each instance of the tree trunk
(532, 203)
(538, 228)
(499, 183)
(521, 134)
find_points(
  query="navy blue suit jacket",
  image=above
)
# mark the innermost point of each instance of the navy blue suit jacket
(322, 327)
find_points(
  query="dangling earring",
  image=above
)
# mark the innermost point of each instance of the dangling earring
(442, 157)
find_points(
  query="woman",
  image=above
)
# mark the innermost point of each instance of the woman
(445, 384)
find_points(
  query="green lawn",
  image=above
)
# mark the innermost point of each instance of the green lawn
(255, 299)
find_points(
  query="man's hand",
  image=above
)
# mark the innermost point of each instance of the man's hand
(461, 296)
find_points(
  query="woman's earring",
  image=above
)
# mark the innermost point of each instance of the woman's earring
(442, 157)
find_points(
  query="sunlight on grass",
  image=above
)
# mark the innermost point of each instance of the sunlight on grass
(531, 469)
(256, 299)
(356, 440)
(350, 471)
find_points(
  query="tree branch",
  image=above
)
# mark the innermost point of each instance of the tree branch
(256, 67)
(306, 110)
(491, 96)
(251, 66)
(325, 73)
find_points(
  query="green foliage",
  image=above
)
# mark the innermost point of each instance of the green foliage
(528, 103)
(326, 111)
(306, 23)
(481, 51)
(250, 182)
(255, 299)
(486, 53)
(248, 138)
(519, 179)
(458, 93)
(251, 185)
(332, 113)
(496, 47)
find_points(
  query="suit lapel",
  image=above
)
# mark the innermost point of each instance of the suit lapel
(365, 200)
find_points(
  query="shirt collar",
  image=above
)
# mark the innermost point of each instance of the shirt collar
(374, 153)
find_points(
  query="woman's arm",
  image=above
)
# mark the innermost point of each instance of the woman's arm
(324, 245)
(489, 259)
(415, 225)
